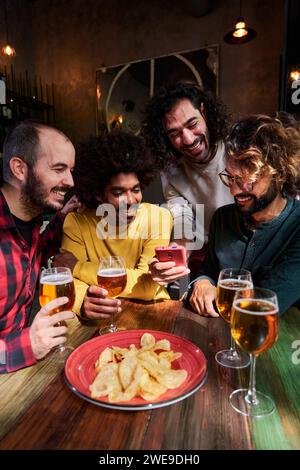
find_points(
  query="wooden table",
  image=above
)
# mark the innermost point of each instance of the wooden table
(38, 411)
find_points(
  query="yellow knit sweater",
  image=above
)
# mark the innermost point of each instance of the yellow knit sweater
(152, 227)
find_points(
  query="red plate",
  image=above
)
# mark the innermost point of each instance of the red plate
(80, 371)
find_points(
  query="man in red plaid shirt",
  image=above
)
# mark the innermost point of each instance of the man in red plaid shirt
(37, 172)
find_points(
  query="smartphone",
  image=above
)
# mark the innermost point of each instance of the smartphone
(171, 253)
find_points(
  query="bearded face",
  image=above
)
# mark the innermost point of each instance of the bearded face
(187, 131)
(37, 197)
(47, 182)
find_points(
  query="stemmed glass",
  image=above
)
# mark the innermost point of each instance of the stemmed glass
(231, 281)
(254, 326)
(54, 283)
(112, 276)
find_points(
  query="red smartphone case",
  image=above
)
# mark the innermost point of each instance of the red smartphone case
(171, 253)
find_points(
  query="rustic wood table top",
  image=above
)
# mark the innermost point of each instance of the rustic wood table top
(39, 411)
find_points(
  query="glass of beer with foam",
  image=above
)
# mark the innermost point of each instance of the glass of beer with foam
(112, 276)
(54, 283)
(230, 281)
(254, 327)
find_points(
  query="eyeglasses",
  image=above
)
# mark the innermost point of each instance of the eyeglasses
(228, 180)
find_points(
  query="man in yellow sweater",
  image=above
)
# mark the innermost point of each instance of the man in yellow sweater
(110, 173)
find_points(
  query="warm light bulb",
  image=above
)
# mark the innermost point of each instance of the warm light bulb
(295, 75)
(98, 93)
(120, 119)
(8, 51)
(240, 30)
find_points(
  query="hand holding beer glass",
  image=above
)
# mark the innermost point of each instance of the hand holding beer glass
(231, 281)
(54, 283)
(254, 326)
(112, 276)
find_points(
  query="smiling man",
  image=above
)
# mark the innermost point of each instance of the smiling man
(37, 165)
(261, 231)
(185, 127)
(110, 173)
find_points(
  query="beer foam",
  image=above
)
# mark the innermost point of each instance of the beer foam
(274, 310)
(111, 272)
(225, 284)
(56, 279)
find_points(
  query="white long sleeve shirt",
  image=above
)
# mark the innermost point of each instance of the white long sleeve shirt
(193, 192)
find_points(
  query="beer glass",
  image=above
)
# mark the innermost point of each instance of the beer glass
(231, 281)
(112, 276)
(54, 283)
(254, 326)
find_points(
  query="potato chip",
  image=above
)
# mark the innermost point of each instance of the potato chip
(172, 378)
(106, 381)
(169, 355)
(163, 344)
(147, 341)
(150, 386)
(126, 373)
(132, 389)
(126, 370)
(105, 357)
(164, 363)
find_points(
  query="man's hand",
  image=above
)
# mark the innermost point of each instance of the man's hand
(203, 295)
(165, 272)
(96, 305)
(64, 258)
(73, 204)
(44, 335)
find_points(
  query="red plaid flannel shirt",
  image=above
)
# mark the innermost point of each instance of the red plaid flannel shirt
(19, 272)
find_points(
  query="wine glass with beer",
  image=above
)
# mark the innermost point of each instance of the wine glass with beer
(54, 283)
(254, 327)
(112, 276)
(231, 281)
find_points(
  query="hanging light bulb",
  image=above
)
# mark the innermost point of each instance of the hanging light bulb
(8, 50)
(241, 33)
(240, 29)
(295, 74)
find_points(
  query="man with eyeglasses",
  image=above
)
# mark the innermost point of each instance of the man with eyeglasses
(261, 231)
(184, 128)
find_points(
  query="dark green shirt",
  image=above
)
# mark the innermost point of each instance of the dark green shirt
(271, 252)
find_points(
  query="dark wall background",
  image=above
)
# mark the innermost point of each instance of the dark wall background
(65, 41)
(20, 34)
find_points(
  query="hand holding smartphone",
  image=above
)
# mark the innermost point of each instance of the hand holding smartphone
(173, 253)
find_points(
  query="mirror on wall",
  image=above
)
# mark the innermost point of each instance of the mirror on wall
(122, 91)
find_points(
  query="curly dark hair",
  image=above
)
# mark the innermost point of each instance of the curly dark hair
(264, 145)
(98, 159)
(162, 103)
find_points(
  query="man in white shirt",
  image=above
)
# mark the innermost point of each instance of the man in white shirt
(185, 127)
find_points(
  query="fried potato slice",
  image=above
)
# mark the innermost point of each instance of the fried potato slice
(164, 363)
(130, 392)
(147, 341)
(106, 381)
(169, 355)
(127, 370)
(151, 388)
(105, 357)
(126, 373)
(163, 344)
(172, 378)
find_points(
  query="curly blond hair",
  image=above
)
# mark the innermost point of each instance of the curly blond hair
(262, 145)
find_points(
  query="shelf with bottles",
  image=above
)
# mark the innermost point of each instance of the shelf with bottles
(23, 98)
